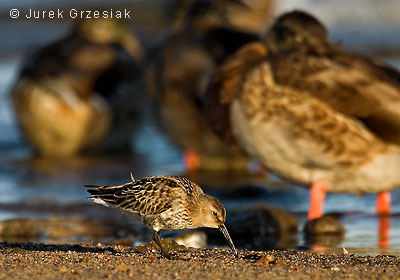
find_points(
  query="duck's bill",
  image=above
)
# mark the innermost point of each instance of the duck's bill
(224, 231)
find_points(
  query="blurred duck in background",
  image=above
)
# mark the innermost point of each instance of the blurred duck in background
(242, 15)
(313, 112)
(205, 34)
(65, 95)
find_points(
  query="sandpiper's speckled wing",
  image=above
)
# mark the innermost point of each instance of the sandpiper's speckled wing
(352, 84)
(149, 196)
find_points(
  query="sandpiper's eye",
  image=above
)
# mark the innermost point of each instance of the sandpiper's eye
(214, 213)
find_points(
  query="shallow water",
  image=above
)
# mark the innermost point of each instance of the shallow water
(41, 188)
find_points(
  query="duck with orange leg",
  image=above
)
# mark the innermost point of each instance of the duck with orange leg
(313, 112)
(177, 80)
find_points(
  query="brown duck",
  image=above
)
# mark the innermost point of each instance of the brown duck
(313, 112)
(179, 77)
(57, 105)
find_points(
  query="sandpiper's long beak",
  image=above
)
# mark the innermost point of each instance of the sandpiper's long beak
(225, 232)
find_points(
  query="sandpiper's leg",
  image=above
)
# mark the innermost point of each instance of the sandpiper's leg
(383, 205)
(317, 198)
(156, 238)
(191, 160)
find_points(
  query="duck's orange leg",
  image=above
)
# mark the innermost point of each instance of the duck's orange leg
(191, 160)
(317, 198)
(383, 204)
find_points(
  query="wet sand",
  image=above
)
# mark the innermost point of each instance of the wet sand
(40, 261)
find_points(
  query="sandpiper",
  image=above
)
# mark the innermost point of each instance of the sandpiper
(165, 203)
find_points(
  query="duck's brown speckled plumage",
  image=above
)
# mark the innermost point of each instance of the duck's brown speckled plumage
(164, 203)
(57, 97)
(352, 84)
(313, 112)
(223, 86)
(180, 75)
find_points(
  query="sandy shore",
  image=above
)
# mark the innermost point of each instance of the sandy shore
(40, 261)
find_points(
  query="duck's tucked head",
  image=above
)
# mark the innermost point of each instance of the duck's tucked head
(297, 30)
(206, 14)
(201, 15)
(106, 31)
